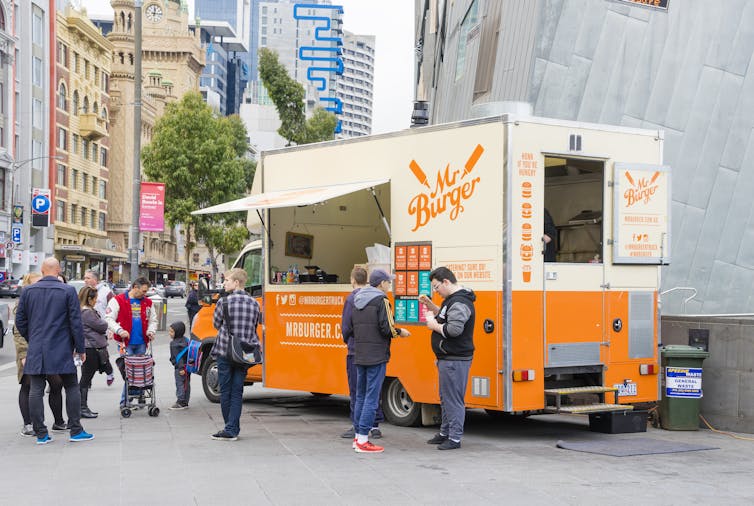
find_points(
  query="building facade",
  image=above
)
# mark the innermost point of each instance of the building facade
(681, 67)
(355, 88)
(172, 61)
(82, 113)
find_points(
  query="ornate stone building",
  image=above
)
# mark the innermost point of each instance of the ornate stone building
(82, 111)
(172, 60)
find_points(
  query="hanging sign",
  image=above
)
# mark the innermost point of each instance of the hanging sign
(40, 207)
(152, 207)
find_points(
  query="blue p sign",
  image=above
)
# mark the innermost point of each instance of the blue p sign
(16, 235)
(40, 204)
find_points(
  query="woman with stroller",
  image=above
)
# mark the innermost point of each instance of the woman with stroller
(97, 356)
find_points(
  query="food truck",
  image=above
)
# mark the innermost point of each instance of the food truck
(577, 334)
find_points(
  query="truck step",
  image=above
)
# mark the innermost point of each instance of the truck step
(579, 390)
(589, 408)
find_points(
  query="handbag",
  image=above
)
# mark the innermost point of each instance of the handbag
(240, 353)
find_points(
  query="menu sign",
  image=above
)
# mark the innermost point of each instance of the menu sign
(642, 214)
(413, 263)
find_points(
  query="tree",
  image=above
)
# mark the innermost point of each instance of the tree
(288, 96)
(201, 158)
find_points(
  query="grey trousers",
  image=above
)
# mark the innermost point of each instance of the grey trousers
(182, 387)
(454, 375)
(72, 403)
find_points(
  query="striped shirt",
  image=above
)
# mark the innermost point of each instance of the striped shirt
(244, 315)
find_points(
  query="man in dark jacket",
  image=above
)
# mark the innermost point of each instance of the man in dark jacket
(452, 326)
(373, 329)
(192, 303)
(49, 318)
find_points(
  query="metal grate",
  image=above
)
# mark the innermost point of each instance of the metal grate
(559, 355)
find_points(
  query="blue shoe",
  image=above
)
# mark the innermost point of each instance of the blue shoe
(44, 440)
(81, 436)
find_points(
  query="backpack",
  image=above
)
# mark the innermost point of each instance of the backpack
(193, 352)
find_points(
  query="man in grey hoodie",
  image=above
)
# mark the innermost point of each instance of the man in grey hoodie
(373, 329)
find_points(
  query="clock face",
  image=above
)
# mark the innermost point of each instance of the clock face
(154, 13)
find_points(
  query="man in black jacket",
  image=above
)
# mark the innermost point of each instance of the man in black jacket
(192, 303)
(452, 326)
(373, 329)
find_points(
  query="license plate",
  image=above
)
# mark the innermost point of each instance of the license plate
(626, 389)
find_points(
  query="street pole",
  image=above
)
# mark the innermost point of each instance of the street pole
(133, 236)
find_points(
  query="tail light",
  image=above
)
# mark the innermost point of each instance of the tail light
(646, 369)
(523, 375)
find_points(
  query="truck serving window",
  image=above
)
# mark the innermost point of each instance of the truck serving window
(574, 199)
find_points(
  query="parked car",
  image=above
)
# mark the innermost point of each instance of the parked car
(78, 284)
(10, 288)
(175, 289)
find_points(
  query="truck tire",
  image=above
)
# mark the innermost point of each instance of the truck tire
(209, 378)
(397, 405)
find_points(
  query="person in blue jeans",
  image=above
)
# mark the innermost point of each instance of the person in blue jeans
(132, 319)
(373, 330)
(243, 318)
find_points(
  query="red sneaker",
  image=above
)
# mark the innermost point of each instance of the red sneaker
(368, 447)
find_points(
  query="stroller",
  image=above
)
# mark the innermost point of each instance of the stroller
(138, 373)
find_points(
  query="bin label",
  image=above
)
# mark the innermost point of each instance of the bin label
(683, 382)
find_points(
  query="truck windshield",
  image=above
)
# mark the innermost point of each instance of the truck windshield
(251, 262)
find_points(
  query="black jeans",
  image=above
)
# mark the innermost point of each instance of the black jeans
(23, 399)
(55, 398)
(92, 365)
(182, 386)
(72, 403)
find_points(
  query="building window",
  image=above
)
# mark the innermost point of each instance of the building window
(75, 104)
(103, 157)
(76, 62)
(95, 151)
(86, 69)
(63, 54)
(62, 139)
(93, 218)
(37, 34)
(74, 213)
(37, 72)
(62, 97)
(94, 187)
(470, 21)
(36, 114)
(84, 214)
(75, 147)
(74, 184)
(102, 190)
(85, 149)
(102, 221)
(85, 107)
(60, 211)
(61, 174)
(85, 182)
(105, 82)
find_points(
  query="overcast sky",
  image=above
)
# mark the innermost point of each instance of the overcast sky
(392, 22)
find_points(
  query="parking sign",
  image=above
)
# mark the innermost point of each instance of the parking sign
(16, 235)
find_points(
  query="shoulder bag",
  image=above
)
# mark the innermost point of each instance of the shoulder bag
(240, 353)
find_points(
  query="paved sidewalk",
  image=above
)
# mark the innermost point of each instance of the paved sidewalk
(290, 452)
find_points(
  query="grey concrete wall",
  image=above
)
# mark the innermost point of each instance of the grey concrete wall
(728, 373)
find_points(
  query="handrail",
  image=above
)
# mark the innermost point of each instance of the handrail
(688, 299)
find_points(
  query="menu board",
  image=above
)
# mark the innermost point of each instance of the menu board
(413, 263)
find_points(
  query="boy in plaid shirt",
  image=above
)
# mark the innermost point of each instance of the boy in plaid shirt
(243, 318)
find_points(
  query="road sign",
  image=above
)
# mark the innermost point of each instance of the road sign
(40, 207)
(15, 234)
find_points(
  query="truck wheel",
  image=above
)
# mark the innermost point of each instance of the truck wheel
(210, 382)
(397, 405)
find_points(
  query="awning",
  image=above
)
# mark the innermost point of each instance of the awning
(290, 198)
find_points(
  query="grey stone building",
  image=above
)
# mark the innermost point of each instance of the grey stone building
(684, 66)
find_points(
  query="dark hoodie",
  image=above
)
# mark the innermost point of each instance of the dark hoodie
(372, 329)
(456, 316)
(178, 344)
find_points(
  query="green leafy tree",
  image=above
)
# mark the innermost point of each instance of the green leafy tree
(288, 96)
(201, 158)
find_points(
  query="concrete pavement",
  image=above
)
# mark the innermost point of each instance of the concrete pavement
(290, 452)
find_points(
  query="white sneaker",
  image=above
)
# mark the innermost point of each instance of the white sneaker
(28, 430)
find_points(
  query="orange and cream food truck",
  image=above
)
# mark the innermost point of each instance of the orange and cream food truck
(578, 334)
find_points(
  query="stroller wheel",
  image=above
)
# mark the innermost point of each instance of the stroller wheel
(154, 411)
(125, 412)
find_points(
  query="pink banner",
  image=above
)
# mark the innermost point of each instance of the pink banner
(152, 208)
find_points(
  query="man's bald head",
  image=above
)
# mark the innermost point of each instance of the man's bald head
(50, 267)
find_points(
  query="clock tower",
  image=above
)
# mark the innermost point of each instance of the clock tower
(172, 61)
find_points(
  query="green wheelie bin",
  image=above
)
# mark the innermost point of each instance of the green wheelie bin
(681, 387)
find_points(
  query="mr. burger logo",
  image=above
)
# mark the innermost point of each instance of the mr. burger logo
(641, 190)
(452, 187)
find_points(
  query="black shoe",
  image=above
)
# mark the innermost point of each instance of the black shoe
(88, 413)
(375, 433)
(349, 434)
(223, 436)
(437, 439)
(449, 444)
(59, 427)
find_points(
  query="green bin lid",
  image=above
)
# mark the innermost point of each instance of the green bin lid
(683, 351)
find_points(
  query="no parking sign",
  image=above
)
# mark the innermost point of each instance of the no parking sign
(40, 207)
